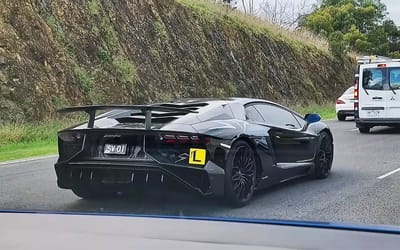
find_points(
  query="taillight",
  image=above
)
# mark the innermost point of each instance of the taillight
(356, 106)
(69, 144)
(338, 101)
(356, 88)
(70, 137)
(183, 139)
(168, 139)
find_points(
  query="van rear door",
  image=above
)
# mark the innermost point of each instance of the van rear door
(373, 95)
(393, 96)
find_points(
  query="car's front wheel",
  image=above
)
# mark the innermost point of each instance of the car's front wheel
(240, 174)
(88, 192)
(324, 157)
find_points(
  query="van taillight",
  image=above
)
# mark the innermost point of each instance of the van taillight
(355, 105)
(356, 80)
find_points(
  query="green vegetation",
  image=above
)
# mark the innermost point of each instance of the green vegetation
(326, 110)
(26, 150)
(357, 25)
(161, 31)
(94, 7)
(125, 69)
(56, 28)
(28, 140)
(104, 56)
(83, 79)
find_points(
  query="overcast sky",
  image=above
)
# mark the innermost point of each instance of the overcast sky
(393, 7)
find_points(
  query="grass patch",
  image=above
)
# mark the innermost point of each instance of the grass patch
(26, 150)
(28, 140)
(326, 110)
(212, 11)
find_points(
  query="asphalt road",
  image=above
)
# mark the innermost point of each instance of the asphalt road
(353, 193)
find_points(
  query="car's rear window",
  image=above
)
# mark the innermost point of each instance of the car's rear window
(381, 78)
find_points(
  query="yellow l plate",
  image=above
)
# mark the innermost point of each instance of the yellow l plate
(197, 156)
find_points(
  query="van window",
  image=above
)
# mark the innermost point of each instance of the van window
(394, 78)
(374, 78)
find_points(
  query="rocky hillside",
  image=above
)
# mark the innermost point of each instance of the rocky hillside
(55, 53)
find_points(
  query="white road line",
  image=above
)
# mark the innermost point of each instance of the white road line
(387, 174)
(6, 163)
(354, 129)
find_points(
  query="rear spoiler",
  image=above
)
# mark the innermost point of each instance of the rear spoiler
(146, 109)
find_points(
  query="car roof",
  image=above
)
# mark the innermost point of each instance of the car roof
(240, 100)
(210, 102)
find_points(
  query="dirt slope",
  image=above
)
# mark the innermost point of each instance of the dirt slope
(55, 53)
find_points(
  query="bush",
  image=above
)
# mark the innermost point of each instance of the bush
(337, 45)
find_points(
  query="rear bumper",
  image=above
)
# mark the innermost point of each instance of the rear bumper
(124, 175)
(345, 112)
(360, 122)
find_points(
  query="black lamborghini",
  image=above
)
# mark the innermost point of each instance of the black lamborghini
(222, 147)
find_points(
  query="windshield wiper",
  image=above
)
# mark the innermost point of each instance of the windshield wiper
(392, 89)
(365, 91)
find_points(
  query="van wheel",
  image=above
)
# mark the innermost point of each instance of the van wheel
(364, 130)
(341, 117)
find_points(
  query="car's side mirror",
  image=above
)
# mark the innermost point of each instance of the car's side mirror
(311, 118)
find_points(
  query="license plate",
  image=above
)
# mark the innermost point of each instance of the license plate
(373, 113)
(115, 149)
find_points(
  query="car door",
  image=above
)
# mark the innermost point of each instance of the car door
(373, 93)
(293, 145)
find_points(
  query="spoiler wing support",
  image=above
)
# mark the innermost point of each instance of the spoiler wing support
(145, 109)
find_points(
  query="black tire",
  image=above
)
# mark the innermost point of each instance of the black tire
(364, 130)
(240, 174)
(341, 117)
(91, 193)
(324, 157)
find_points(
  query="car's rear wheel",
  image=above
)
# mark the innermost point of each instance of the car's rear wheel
(88, 192)
(364, 130)
(324, 157)
(341, 117)
(240, 174)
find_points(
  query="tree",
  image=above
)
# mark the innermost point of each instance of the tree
(362, 23)
(248, 6)
(286, 13)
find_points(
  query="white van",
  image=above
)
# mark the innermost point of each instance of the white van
(377, 93)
